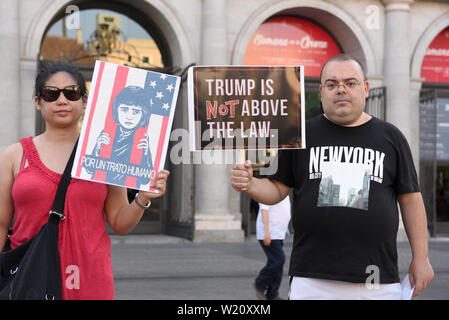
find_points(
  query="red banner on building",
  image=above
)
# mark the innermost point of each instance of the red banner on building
(291, 41)
(435, 65)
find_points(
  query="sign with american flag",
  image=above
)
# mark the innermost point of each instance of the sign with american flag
(126, 127)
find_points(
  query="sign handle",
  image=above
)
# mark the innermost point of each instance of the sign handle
(241, 156)
(241, 160)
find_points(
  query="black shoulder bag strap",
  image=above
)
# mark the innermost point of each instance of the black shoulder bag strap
(57, 210)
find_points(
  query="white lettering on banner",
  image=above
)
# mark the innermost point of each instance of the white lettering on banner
(230, 87)
(372, 159)
(261, 40)
(437, 52)
(305, 42)
(276, 107)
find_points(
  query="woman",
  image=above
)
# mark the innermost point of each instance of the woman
(29, 175)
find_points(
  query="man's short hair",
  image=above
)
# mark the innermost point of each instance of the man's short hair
(343, 57)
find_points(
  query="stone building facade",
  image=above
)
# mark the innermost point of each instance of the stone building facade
(391, 37)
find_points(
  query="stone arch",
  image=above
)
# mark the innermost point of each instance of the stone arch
(348, 33)
(173, 32)
(434, 28)
(177, 42)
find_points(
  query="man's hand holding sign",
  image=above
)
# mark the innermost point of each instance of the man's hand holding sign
(268, 191)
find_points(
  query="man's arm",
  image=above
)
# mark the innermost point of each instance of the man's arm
(415, 224)
(263, 190)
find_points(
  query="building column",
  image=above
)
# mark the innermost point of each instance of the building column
(10, 81)
(27, 117)
(397, 72)
(214, 216)
(401, 111)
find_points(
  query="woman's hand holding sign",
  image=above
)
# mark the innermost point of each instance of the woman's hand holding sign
(159, 184)
(122, 215)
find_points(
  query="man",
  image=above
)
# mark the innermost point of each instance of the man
(271, 227)
(347, 183)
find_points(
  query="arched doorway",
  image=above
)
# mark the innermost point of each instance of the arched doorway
(95, 33)
(127, 34)
(434, 133)
(304, 33)
(290, 40)
(317, 24)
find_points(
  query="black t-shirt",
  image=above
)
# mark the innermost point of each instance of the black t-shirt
(345, 214)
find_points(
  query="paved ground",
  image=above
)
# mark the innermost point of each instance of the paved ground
(159, 267)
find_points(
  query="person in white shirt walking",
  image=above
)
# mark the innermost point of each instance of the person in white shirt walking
(271, 227)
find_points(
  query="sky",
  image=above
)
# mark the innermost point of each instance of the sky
(88, 21)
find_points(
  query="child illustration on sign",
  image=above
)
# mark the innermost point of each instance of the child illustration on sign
(131, 111)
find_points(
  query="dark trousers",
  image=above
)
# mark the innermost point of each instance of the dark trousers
(270, 277)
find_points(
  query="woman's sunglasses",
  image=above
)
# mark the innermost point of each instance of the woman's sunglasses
(50, 94)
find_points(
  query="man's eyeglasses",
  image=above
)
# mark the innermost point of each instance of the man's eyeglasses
(50, 93)
(347, 84)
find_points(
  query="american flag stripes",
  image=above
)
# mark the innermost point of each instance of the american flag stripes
(121, 161)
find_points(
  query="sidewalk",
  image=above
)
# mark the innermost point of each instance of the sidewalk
(160, 267)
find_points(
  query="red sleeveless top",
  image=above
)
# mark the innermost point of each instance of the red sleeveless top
(84, 246)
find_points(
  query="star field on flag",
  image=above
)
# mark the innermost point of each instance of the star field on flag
(161, 89)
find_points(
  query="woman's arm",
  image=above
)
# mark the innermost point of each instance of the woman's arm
(8, 167)
(123, 216)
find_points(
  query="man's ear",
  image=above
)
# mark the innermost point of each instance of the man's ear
(366, 89)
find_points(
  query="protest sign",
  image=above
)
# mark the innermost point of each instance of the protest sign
(246, 107)
(126, 127)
